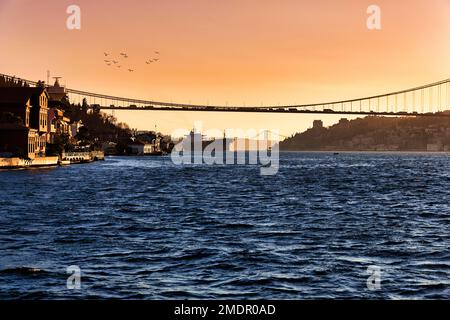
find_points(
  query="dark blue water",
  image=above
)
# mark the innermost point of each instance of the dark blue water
(145, 228)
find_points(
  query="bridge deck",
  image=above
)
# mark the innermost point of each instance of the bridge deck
(271, 110)
(421, 101)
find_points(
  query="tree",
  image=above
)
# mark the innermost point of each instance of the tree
(61, 143)
(84, 106)
(83, 136)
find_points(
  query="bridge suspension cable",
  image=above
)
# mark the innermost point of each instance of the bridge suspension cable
(340, 103)
(425, 100)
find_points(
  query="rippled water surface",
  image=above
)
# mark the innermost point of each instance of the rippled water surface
(145, 228)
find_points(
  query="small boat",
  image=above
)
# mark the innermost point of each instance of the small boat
(64, 162)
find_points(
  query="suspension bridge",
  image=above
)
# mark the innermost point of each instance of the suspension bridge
(426, 100)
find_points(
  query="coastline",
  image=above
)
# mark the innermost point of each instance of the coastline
(51, 161)
(18, 163)
(367, 151)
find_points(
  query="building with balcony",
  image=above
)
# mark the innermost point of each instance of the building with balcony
(27, 134)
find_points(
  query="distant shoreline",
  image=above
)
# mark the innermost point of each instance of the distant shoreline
(366, 151)
(308, 151)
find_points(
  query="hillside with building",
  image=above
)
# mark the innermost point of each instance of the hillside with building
(34, 130)
(40, 126)
(374, 134)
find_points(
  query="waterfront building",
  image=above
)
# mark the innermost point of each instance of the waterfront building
(141, 148)
(28, 134)
(18, 140)
(58, 123)
(109, 148)
(16, 103)
(63, 126)
(53, 115)
(148, 138)
(434, 147)
(75, 127)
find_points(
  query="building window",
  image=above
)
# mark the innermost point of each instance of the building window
(31, 147)
(42, 120)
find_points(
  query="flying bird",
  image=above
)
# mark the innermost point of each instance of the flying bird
(115, 62)
(106, 54)
(156, 52)
(124, 55)
(130, 70)
(106, 61)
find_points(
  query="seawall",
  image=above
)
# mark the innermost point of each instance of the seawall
(16, 163)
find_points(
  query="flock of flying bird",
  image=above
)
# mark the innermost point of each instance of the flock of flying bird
(123, 56)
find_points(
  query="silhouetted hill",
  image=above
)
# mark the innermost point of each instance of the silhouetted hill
(375, 134)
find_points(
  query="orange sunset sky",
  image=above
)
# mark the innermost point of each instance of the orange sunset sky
(246, 52)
